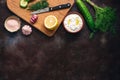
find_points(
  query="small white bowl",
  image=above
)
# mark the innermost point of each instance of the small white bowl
(12, 24)
(71, 23)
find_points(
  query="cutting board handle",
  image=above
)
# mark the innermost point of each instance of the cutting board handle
(63, 6)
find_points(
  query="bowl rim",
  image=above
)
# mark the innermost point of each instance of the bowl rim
(15, 18)
(74, 12)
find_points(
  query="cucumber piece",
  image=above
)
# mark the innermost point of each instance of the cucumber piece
(23, 3)
(87, 15)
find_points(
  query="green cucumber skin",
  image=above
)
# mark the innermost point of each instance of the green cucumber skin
(23, 6)
(88, 17)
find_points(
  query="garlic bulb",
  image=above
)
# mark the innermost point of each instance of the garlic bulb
(26, 30)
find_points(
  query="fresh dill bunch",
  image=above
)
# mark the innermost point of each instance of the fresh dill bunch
(104, 18)
(38, 5)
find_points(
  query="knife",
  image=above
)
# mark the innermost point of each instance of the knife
(48, 9)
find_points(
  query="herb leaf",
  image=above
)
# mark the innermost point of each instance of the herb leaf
(38, 5)
(104, 18)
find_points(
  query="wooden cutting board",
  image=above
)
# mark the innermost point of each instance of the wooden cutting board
(14, 6)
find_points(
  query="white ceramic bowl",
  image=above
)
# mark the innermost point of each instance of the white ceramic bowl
(73, 22)
(12, 24)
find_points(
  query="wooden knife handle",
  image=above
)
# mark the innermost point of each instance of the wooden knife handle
(63, 6)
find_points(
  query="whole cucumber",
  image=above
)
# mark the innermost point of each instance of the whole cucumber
(86, 14)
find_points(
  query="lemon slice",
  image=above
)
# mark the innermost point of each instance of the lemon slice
(51, 22)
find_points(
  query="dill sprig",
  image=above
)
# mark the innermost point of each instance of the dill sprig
(105, 18)
(38, 5)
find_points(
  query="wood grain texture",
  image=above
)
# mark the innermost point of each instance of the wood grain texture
(13, 5)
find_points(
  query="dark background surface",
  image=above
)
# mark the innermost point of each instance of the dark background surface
(64, 56)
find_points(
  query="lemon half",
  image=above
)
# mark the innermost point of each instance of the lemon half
(51, 22)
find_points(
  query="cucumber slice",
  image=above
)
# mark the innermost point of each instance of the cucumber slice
(27, 0)
(23, 3)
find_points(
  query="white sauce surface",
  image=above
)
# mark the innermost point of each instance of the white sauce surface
(73, 22)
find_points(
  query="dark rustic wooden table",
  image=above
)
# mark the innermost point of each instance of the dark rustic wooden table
(64, 56)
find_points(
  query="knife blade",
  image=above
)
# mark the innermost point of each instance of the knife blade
(48, 9)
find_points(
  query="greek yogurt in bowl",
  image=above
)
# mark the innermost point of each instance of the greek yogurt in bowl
(73, 22)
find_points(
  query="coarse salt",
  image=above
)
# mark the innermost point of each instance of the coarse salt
(12, 25)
